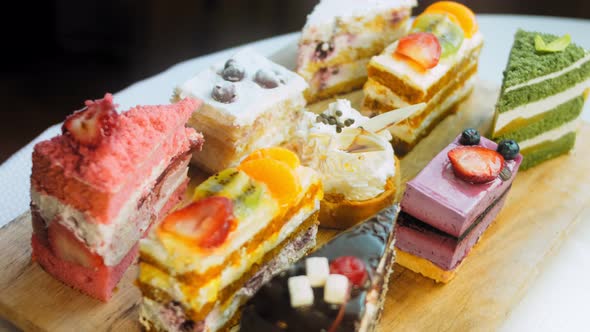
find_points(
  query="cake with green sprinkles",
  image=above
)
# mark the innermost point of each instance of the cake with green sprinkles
(546, 82)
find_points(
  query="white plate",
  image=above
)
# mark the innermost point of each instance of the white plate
(557, 301)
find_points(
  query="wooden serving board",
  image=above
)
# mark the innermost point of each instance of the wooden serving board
(544, 204)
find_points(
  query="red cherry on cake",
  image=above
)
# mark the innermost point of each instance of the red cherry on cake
(351, 267)
(205, 223)
(421, 47)
(91, 124)
(476, 164)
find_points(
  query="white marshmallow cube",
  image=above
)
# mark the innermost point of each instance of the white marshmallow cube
(317, 270)
(336, 289)
(300, 291)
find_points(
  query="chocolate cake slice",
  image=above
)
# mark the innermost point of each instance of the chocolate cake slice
(339, 287)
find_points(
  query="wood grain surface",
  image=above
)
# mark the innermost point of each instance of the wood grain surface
(543, 205)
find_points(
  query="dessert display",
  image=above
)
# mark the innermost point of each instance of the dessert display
(100, 185)
(340, 37)
(339, 287)
(356, 162)
(435, 64)
(243, 226)
(234, 250)
(542, 95)
(452, 201)
(249, 102)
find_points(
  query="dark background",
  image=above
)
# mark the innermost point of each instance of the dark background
(57, 53)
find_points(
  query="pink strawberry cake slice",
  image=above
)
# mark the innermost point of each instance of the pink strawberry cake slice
(98, 187)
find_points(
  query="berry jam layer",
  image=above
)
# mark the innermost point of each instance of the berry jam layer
(111, 242)
(67, 259)
(347, 46)
(446, 251)
(437, 197)
(170, 315)
(99, 180)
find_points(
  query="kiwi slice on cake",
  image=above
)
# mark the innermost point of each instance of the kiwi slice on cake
(449, 34)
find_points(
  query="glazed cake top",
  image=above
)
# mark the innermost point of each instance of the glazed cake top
(138, 132)
(256, 84)
(369, 242)
(438, 197)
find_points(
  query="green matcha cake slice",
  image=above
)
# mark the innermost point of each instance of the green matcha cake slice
(542, 96)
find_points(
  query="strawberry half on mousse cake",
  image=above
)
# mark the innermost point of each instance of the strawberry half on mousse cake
(99, 186)
(452, 201)
(244, 225)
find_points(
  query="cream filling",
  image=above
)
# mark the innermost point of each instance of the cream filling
(114, 240)
(551, 135)
(211, 289)
(346, 47)
(420, 79)
(407, 133)
(540, 79)
(380, 93)
(533, 109)
(345, 73)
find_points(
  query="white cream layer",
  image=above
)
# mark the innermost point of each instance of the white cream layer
(345, 73)
(419, 79)
(356, 176)
(114, 240)
(209, 291)
(533, 109)
(551, 135)
(251, 99)
(408, 133)
(540, 79)
(328, 15)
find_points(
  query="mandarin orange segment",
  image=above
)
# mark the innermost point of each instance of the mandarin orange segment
(278, 177)
(458, 13)
(276, 153)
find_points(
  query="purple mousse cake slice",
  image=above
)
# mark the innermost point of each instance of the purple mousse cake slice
(452, 201)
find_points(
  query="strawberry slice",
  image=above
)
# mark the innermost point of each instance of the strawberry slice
(421, 47)
(476, 164)
(91, 124)
(66, 246)
(351, 267)
(205, 223)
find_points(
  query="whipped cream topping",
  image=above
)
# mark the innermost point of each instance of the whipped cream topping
(251, 94)
(323, 21)
(357, 175)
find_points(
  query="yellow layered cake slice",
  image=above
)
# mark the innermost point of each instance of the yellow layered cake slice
(244, 225)
(339, 38)
(435, 64)
(249, 102)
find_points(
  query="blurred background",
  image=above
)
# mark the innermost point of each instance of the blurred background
(58, 53)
